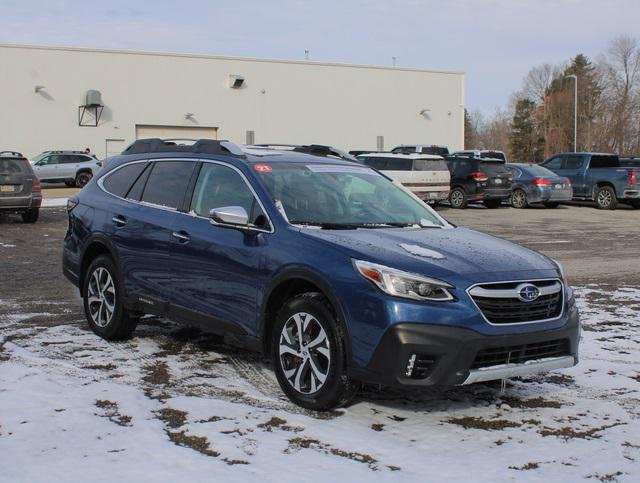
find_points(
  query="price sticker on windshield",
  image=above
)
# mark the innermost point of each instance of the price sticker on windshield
(263, 168)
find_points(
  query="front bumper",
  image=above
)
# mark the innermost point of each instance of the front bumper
(454, 352)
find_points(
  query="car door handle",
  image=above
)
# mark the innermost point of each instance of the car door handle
(182, 236)
(119, 220)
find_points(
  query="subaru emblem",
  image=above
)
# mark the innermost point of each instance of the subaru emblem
(528, 292)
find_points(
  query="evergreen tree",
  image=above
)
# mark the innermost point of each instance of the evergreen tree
(527, 143)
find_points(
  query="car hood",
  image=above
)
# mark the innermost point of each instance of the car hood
(440, 252)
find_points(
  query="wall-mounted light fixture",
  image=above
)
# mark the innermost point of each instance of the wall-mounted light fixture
(37, 89)
(425, 113)
(236, 81)
(189, 116)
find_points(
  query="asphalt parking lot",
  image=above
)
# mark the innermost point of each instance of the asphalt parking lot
(172, 401)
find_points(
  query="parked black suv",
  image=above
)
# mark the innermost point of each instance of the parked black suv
(486, 180)
(19, 187)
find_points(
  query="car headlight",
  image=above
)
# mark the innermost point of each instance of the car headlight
(404, 284)
(560, 269)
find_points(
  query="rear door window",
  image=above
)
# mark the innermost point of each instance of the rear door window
(167, 183)
(572, 161)
(120, 181)
(429, 165)
(604, 161)
(14, 166)
(375, 162)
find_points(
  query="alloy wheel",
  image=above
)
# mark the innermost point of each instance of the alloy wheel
(519, 199)
(457, 198)
(304, 353)
(101, 297)
(83, 179)
(604, 198)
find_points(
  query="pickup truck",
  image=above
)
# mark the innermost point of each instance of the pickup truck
(598, 177)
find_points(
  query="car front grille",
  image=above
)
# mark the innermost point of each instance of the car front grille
(520, 354)
(500, 304)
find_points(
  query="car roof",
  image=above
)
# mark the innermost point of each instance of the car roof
(421, 144)
(402, 155)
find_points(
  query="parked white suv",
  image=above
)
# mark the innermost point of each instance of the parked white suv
(74, 168)
(426, 175)
(436, 149)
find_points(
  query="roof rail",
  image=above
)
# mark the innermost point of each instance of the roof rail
(13, 154)
(313, 149)
(176, 145)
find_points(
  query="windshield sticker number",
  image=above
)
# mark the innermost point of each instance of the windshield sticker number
(262, 168)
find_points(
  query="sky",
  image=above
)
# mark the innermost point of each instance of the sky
(495, 42)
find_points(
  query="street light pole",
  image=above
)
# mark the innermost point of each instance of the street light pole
(575, 111)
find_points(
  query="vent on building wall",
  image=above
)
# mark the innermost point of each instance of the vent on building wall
(236, 81)
(89, 113)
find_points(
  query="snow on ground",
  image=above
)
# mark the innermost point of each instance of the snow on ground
(173, 404)
(53, 202)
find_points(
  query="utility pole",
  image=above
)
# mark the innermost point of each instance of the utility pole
(575, 111)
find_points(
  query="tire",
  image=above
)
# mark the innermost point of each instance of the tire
(493, 204)
(70, 184)
(101, 282)
(551, 204)
(606, 198)
(31, 215)
(312, 376)
(458, 198)
(83, 178)
(519, 199)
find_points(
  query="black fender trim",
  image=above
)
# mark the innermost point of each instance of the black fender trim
(307, 274)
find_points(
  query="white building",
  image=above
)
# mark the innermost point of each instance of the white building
(148, 94)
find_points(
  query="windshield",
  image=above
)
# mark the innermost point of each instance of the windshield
(342, 196)
(39, 157)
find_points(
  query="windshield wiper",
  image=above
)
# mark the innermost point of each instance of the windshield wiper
(326, 226)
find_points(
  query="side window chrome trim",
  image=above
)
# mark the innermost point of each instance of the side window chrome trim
(190, 213)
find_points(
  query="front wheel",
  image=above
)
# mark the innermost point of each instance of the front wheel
(606, 198)
(308, 354)
(83, 178)
(519, 199)
(103, 303)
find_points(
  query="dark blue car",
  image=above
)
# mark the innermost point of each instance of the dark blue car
(334, 271)
(533, 183)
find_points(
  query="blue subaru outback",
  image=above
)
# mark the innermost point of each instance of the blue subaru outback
(328, 267)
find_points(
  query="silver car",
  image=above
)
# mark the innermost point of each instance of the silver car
(74, 168)
(533, 183)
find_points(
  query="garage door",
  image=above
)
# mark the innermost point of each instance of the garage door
(191, 132)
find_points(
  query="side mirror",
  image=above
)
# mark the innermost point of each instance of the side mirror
(230, 216)
(99, 163)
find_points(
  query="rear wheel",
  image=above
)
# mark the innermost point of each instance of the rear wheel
(309, 355)
(551, 204)
(492, 203)
(457, 198)
(83, 178)
(31, 215)
(103, 303)
(519, 199)
(606, 198)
